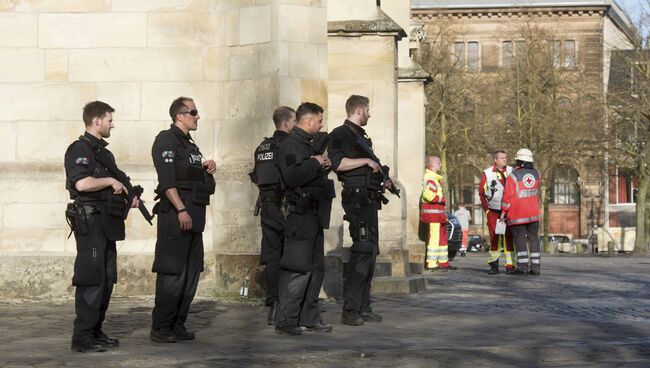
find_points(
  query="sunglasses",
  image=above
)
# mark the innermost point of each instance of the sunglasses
(191, 112)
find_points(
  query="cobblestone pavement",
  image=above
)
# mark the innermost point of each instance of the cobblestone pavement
(582, 312)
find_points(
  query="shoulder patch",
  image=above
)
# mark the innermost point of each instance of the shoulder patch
(168, 156)
(81, 161)
(290, 159)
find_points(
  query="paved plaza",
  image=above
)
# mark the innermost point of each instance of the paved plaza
(582, 312)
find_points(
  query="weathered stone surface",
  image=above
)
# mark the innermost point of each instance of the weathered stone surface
(92, 30)
(380, 25)
(7, 142)
(185, 30)
(23, 29)
(124, 97)
(303, 60)
(59, 6)
(157, 96)
(254, 24)
(297, 30)
(231, 271)
(149, 64)
(199, 6)
(21, 65)
(56, 64)
(31, 101)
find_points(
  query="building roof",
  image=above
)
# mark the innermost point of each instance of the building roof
(617, 13)
(464, 4)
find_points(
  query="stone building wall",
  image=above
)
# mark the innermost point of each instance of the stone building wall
(239, 59)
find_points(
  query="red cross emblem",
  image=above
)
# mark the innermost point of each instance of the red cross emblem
(529, 180)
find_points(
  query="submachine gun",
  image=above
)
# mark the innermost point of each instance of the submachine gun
(319, 143)
(133, 191)
(385, 170)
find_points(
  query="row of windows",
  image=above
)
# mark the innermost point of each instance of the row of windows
(467, 54)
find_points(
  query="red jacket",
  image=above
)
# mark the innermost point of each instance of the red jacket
(521, 196)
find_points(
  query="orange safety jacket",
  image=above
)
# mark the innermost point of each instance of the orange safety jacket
(432, 201)
(521, 196)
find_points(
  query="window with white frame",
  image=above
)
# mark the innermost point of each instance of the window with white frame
(564, 54)
(510, 50)
(467, 55)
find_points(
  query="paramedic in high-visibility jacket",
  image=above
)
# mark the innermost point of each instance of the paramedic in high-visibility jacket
(520, 208)
(432, 213)
(493, 181)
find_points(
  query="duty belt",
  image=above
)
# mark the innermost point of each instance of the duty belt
(293, 206)
(89, 209)
(271, 196)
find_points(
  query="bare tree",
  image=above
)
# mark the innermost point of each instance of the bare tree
(453, 103)
(629, 132)
(542, 99)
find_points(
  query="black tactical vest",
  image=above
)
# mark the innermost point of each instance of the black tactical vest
(266, 174)
(188, 165)
(361, 175)
(98, 171)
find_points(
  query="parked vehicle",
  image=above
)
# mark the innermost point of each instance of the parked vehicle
(454, 235)
(477, 244)
(560, 242)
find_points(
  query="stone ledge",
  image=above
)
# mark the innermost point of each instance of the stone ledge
(398, 285)
(383, 25)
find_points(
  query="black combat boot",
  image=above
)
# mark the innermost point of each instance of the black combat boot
(352, 318)
(270, 317)
(109, 342)
(319, 327)
(288, 330)
(494, 268)
(370, 317)
(163, 335)
(182, 333)
(86, 344)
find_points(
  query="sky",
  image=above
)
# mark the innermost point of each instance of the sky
(633, 7)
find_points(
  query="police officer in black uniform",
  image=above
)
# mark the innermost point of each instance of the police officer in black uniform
(308, 198)
(266, 176)
(361, 198)
(185, 183)
(97, 219)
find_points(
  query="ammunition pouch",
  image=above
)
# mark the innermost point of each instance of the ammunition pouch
(376, 182)
(117, 206)
(362, 240)
(201, 194)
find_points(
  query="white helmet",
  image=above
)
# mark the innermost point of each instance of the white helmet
(524, 154)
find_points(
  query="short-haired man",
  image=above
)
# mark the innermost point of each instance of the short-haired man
(308, 195)
(493, 181)
(266, 176)
(361, 197)
(96, 216)
(432, 212)
(185, 184)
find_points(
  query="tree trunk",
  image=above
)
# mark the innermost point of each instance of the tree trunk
(546, 198)
(640, 246)
(443, 156)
